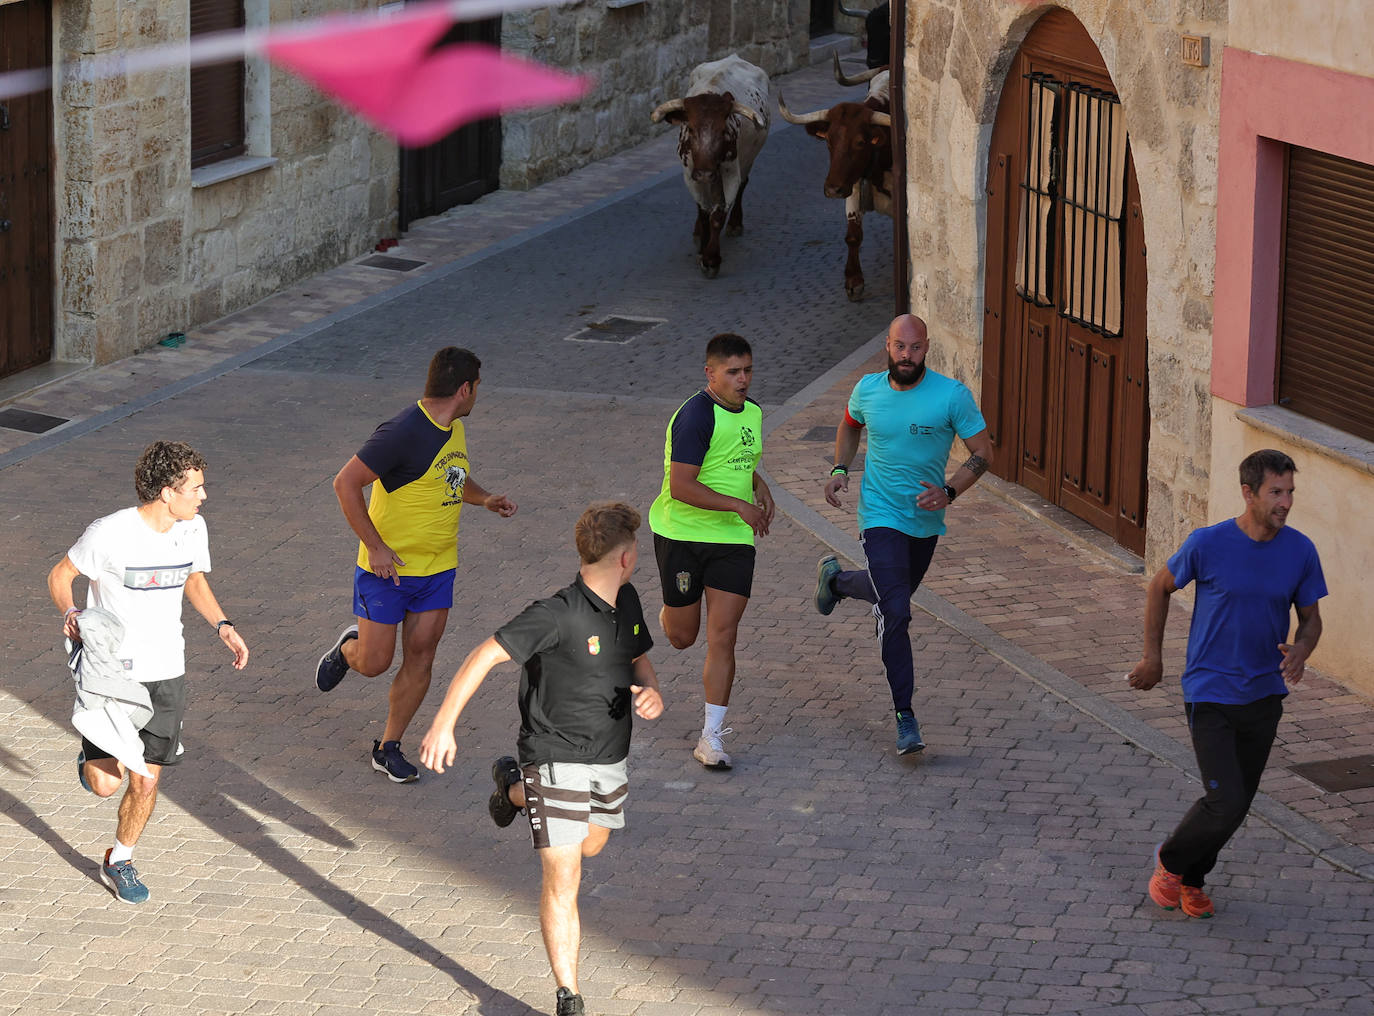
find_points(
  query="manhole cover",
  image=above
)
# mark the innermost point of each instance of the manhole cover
(30, 423)
(819, 434)
(1335, 775)
(614, 329)
(391, 264)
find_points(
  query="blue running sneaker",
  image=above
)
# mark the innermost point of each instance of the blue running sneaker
(387, 758)
(81, 771)
(122, 880)
(826, 597)
(501, 808)
(332, 667)
(908, 733)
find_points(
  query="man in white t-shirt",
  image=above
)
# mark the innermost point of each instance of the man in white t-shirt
(139, 561)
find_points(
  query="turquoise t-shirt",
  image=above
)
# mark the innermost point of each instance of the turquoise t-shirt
(909, 437)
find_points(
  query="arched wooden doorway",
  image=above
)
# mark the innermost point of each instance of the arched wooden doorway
(1064, 387)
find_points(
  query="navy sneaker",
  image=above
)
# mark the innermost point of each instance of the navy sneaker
(506, 774)
(387, 758)
(567, 1004)
(81, 771)
(332, 667)
(908, 733)
(122, 880)
(826, 597)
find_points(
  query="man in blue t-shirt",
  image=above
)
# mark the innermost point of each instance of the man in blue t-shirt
(912, 415)
(1250, 572)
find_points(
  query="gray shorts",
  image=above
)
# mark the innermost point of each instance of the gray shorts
(563, 798)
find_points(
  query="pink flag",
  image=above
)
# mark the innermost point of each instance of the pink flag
(389, 75)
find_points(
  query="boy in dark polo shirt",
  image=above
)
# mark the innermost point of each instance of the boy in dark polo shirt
(584, 665)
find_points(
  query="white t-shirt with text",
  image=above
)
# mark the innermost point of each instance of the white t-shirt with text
(138, 574)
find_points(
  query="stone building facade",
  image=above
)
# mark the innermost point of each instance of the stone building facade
(1199, 86)
(637, 52)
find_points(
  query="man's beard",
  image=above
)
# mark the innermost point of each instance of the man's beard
(905, 374)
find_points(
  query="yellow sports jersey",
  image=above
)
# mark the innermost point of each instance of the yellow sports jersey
(421, 468)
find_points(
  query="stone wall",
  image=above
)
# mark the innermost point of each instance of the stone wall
(141, 251)
(958, 54)
(640, 56)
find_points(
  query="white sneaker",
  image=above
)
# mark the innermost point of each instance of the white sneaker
(710, 752)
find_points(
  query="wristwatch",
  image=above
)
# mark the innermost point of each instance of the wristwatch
(950, 493)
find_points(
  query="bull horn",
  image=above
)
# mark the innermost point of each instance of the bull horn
(882, 120)
(745, 111)
(671, 106)
(819, 116)
(856, 79)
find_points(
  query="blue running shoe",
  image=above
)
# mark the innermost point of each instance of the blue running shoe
(387, 758)
(81, 771)
(122, 880)
(908, 733)
(826, 597)
(332, 667)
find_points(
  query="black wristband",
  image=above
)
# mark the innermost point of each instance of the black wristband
(222, 624)
(950, 493)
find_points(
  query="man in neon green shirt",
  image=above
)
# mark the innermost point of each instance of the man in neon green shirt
(704, 521)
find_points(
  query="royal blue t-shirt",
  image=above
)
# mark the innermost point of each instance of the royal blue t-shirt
(1246, 590)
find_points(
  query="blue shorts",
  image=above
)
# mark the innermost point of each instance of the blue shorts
(383, 601)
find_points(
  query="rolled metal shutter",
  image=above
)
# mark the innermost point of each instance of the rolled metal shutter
(217, 120)
(1326, 329)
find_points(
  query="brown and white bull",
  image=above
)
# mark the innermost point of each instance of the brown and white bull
(859, 137)
(723, 123)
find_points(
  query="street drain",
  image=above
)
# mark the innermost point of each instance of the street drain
(1338, 774)
(615, 329)
(391, 264)
(29, 422)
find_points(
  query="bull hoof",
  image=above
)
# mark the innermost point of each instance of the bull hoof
(855, 293)
(710, 271)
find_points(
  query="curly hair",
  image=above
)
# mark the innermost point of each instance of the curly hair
(164, 464)
(603, 527)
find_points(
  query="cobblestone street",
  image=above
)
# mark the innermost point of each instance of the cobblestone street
(1001, 871)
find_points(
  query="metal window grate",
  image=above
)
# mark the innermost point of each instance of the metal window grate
(1094, 183)
(1039, 188)
(615, 328)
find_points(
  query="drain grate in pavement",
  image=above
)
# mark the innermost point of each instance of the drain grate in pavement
(29, 422)
(391, 264)
(615, 329)
(819, 434)
(1337, 774)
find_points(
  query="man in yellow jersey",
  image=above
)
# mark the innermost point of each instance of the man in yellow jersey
(417, 466)
(704, 521)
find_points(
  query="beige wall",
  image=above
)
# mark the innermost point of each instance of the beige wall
(958, 52)
(1330, 33)
(1331, 506)
(638, 56)
(140, 252)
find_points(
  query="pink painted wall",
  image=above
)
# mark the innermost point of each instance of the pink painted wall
(1267, 103)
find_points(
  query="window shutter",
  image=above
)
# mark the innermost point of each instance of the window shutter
(217, 119)
(1326, 329)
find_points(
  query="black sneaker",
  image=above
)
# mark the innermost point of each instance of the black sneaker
(387, 758)
(568, 1004)
(506, 774)
(332, 666)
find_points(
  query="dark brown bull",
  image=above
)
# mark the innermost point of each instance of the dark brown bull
(859, 137)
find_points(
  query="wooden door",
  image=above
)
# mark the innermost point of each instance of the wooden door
(1064, 388)
(26, 210)
(460, 168)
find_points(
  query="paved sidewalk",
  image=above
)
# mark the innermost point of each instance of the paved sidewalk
(1002, 871)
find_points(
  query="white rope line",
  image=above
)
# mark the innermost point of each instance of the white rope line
(221, 47)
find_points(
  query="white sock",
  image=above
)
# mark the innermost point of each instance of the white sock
(121, 852)
(715, 719)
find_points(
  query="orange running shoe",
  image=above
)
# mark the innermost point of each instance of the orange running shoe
(1196, 903)
(1165, 886)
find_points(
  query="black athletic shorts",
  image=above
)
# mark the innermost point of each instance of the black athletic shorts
(162, 734)
(687, 569)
